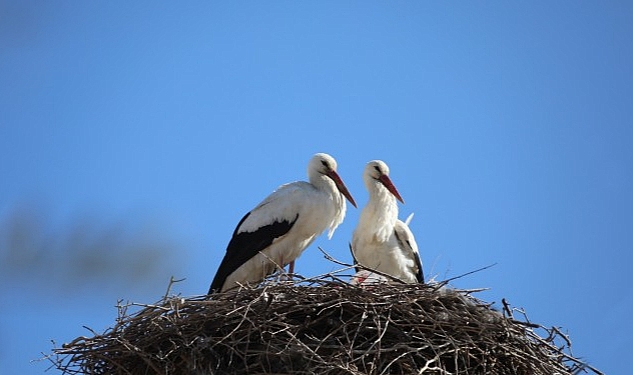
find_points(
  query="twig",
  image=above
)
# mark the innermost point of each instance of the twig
(469, 273)
(358, 265)
(172, 281)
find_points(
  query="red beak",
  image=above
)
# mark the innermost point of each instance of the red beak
(385, 180)
(341, 187)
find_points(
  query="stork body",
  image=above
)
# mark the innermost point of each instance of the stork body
(284, 224)
(381, 241)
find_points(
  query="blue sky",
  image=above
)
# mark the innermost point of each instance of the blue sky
(133, 137)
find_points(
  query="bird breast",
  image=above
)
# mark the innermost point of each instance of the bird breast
(378, 219)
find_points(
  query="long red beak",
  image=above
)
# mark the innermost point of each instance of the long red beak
(341, 187)
(385, 180)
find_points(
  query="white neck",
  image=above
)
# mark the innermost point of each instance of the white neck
(381, 212)
(325, 184)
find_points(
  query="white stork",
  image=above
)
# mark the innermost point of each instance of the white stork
(381, 241)
(284, 224)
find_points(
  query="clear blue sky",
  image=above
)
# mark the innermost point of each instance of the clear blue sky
(135, 135)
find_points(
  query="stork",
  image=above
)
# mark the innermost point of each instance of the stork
(285, 223)
(380, 241)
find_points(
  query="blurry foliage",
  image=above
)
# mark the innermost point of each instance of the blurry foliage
(134, 252)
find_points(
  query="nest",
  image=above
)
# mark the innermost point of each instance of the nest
(322, 326)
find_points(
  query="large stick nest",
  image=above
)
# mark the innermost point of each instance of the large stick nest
(322, 327)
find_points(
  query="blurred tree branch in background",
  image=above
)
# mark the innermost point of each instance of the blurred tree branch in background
(133, 252)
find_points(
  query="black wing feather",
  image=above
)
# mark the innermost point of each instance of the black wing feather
(420, 275)
(243, 246)
(355, 262)
(418, 262)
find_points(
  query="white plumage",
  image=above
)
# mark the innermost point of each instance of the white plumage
(284, 224)
(381, 241)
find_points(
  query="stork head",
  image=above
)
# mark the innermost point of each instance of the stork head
(324, 165)
(377, 172)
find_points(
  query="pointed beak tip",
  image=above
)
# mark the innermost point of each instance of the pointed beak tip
(349, 197)
(386, 181)
(342, 188)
